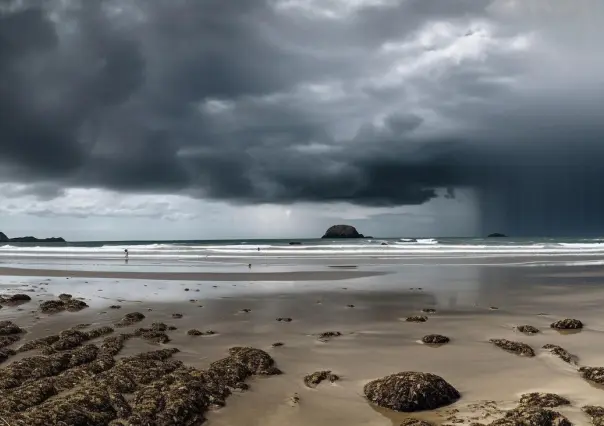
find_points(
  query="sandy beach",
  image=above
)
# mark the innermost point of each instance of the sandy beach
(368, 306)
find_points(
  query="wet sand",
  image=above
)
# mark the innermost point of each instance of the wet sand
(375, 341)
(341, 274)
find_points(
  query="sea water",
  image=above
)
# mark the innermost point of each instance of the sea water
(378, 248)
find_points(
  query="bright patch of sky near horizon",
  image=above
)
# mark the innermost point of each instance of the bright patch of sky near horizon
(99, 215)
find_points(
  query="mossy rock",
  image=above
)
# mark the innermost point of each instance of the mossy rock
(518, 348)
(411, 391)
(567, 324)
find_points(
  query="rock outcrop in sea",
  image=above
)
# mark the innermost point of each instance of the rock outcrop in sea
(4, 239)
(342, 231)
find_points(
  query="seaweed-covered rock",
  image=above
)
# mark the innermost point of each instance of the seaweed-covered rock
(8, 340)
(567, 324)
(129, 319)
(544, 400)
(74, 305)
(429, 311)
(527, 329)
(562, 353)
(26, 396)
(326, 335)
(65, 340)
(280, 319)
(38, 343)
(255, 360)
(115, 307)
(83, 355)
(176, 316)
(593, 374)
(52, 306)
(417, 318)
(153, 334)
(164, 391)
(69, 339)
(9, 327)
(182, 397)
(90, 406)
(532, 416)
(98, 332)
(9, 333)
(411, 391)
(277, 344)
(159, 326)
(70, 305)
(114, 344)
(65, 296)
(33, 368)
(196, 332)
(314, 379)
(517, 348)
(595, 413)
(435, 339)
(15, 299)
(81, 326)
(415, 422)
(6, 353)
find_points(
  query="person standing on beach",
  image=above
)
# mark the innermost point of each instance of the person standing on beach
(126, 253)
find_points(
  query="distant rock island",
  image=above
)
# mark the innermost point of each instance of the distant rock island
(5, 239)
(342, 231)
(496, 235)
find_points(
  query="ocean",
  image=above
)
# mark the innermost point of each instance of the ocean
(378, 248)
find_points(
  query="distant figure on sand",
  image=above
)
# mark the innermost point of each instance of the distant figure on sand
(258, 248)
(126, 253)
(249, 265)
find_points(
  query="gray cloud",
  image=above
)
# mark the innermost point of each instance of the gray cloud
(251, 102)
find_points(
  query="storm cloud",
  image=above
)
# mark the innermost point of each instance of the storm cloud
(375, 103)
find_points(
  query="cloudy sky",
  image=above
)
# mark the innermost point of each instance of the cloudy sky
(182, 119)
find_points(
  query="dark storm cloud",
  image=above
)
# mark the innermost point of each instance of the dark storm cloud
(223, 100)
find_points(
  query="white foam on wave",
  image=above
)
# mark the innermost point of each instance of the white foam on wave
(580, 246)
(401, 248)
(427, 241)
